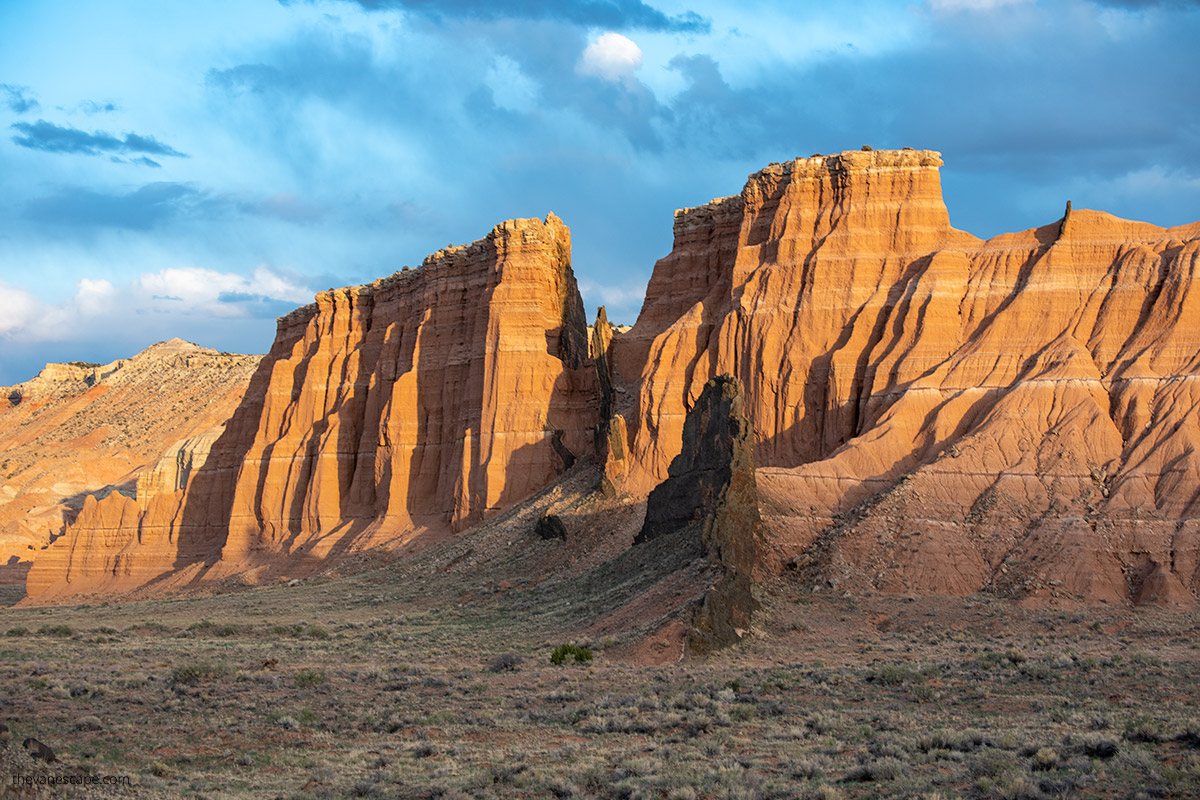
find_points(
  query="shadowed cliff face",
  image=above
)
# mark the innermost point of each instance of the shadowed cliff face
(711, 492)
(424, 402)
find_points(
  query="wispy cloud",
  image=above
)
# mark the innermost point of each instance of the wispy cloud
(141, 209)
(91, 107)
(51, 138)
(17, 99)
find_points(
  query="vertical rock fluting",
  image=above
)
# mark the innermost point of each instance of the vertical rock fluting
(936, 413)
(710, 490)
(930, 412)
(426, 401)
(783, 287)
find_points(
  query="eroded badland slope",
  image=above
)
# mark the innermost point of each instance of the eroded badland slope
(78, 430)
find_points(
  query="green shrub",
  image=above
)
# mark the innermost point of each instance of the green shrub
(565, 652)
(55, 630)
(308, 678)
(17, 631)
(197, 671)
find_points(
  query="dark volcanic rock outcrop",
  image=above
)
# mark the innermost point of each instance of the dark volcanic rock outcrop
(711, 490)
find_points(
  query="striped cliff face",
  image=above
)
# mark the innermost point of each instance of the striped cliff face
(425, 402)
(928, 412)
(933, 412)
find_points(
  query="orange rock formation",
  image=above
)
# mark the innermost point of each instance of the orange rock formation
(931, 412)
(936, 413)
(424, 402)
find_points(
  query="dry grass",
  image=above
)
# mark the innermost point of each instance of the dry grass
(352, 688)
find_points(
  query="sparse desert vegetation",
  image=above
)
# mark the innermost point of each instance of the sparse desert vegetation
(350, 687)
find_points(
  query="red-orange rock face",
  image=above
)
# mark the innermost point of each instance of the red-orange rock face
(426, 401)
(932, 413)
(936, 413)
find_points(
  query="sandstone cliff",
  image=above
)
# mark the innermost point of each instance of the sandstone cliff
(81, 429)
(936, 413)
(931, 413)
(422, 403)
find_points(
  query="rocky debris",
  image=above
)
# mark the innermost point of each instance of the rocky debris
(711, 490)
(39, 751)
(550, 527)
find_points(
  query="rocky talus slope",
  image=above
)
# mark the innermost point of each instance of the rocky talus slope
(926, 412)
(82, 429)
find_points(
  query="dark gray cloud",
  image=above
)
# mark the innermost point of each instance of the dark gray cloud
(51, 138)
(611, 14)
(145, 208)
(17, 99)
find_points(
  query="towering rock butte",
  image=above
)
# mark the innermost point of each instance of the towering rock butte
(930, 412)
(935, 413)
(81, 429)
(423, 402)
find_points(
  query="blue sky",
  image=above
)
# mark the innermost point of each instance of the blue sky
(197, 169)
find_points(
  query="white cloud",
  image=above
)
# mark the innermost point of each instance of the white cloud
(20, 309)
(98, 306)
(612, 57)
(623, 302)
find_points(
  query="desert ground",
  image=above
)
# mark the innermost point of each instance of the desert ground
(389, 680)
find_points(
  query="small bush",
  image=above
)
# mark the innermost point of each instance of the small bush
(17, 631)
(89, 723)
(504, 662)
(1096, 746)
(883, 769)
(1044, 759)
(1143, 729)
(194, 673)
(566, 652)
(308, 678)
(55, 630)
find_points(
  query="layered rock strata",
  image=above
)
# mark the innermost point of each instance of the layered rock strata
(424, 402)
(931, 413)
(936, 413)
